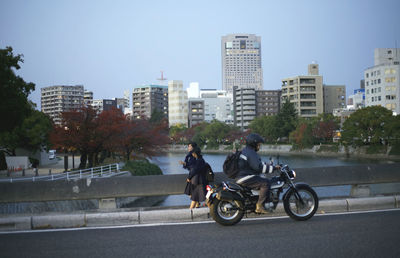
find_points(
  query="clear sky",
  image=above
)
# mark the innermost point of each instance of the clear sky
(112, 46)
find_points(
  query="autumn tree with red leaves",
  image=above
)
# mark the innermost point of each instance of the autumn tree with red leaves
(93, 134)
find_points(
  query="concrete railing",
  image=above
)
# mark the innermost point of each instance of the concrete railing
(96, 188)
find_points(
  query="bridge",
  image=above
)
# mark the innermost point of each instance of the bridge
(106, 190)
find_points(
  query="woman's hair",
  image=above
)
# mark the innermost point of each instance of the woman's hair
(194, 145)
(197, 151)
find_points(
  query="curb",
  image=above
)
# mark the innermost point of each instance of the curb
(88, 219)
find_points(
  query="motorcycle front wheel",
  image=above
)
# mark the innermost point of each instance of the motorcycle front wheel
(301, 205)
(226, 213)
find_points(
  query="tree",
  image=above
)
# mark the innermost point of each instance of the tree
(14, 91)
(157, 116)
(324, 127)
(367, 126)
(22, 126)
(266, 127)
(77, 131)
(302, 136)
(286, 119)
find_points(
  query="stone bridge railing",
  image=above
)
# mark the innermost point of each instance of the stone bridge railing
(109, 188)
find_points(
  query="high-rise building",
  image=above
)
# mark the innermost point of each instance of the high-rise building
(382, 82)
(305, 92)
(177, 104)
(268, 102)
(241, 62)
(61, 98)
(334, 97)
(147, 98)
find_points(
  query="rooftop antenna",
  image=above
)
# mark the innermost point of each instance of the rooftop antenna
(162, 79)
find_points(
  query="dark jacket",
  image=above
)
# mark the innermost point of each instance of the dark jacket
(250, 164)
(189, 161)
(197, 172)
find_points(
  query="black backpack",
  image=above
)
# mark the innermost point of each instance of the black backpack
(209, 173)
(231, 164)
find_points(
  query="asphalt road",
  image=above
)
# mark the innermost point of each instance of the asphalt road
(374, 234)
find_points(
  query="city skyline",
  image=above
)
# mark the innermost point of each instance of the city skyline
(109, 47)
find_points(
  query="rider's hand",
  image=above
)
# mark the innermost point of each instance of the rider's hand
(277, 167)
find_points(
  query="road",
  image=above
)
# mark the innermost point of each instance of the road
(373, 234)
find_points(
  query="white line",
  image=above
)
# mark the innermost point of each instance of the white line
(182, 223)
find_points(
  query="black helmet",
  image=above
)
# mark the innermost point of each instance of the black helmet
(253, 140)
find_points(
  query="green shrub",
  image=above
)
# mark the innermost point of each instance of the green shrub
(142, 168)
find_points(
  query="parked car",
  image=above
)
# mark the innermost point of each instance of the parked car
(52, 154)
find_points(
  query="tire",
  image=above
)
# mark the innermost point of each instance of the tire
(221, 215)
(295, 209)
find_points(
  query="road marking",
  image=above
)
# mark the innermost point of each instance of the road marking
(182, 223)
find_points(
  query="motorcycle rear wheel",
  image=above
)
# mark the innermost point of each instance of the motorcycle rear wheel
(226, 213)
(298, 210)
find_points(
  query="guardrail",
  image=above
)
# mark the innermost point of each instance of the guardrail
(96, 172)
(96, 188)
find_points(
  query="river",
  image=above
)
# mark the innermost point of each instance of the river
(169, 164)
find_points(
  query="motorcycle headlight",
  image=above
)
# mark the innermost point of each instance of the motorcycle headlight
(292, 174)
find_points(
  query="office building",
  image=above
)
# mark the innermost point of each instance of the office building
(382, 84)
(241, 62)
(268, 102)
(334, 97)
(217, 105)
(305, 92)
(177, 104)
(61, 98)
(148, 98)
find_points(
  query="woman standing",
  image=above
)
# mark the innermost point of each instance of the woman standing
(187, 164)
(196, 179)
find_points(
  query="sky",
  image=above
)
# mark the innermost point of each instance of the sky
(112, 46)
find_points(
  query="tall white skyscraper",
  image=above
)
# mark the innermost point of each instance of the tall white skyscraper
(241, 62)
(177, 104)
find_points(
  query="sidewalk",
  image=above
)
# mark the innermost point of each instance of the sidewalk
(55, 168)
(104, 218)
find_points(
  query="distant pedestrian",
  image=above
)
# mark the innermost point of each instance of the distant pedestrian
(196, 180)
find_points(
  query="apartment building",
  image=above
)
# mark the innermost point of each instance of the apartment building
(334, 97)
(244, 106)
(305, 92)
(196, 112)
(268, 102)
(382, 84)
(177, 104)
(147, 98)
(61, 98)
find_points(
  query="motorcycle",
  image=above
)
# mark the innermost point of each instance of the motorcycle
(228, 202)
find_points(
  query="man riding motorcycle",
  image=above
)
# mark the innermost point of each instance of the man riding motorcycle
(250, 168)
